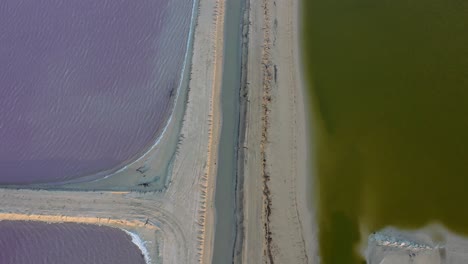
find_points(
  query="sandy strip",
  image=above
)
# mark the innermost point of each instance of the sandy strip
(70, 219)
(207, 216)
(276, 179)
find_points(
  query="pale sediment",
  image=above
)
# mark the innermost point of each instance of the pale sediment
(275, 155)
(75, 219)
(208, 182)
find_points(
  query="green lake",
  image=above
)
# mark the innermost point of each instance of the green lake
(388, 86)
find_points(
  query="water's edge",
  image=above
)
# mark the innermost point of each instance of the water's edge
(243, 97)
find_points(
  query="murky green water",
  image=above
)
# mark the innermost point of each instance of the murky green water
(389, 86)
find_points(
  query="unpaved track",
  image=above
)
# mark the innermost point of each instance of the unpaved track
(277, 217)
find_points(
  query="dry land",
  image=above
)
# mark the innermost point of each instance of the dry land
(278, 221)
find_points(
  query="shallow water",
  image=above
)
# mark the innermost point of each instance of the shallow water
(225, 198)
(389, 86)
(85, 86)
(41, 243)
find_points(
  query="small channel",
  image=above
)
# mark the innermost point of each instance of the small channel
(225, 205)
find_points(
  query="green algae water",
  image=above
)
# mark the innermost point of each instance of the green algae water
(388, 82)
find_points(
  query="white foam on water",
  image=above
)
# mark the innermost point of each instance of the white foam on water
(140, 244)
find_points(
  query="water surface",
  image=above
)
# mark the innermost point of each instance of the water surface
(85, 86)
(389, 86)
(24, 242)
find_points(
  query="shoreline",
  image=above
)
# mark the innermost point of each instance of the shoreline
(159, 146)
(140, 244)
(308, 180)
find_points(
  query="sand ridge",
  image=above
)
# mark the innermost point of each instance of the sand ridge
(276, 145)
(208, 183)
(70, 219)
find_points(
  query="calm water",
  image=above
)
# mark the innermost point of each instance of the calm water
(85, 86)
(42, 243)
(225, 197)
(389, 86)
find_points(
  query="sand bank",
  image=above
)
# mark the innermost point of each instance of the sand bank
(71, 219)
(275, 147)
